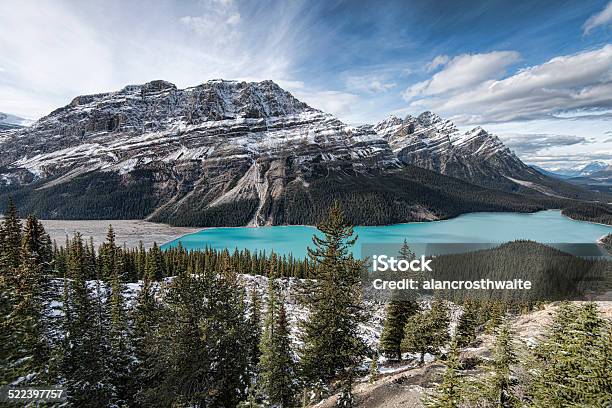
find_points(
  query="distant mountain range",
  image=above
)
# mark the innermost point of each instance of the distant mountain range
(578, 171)
(237, 153)
(595, 176)
(8, 121)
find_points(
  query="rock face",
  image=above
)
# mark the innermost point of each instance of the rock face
(237, 153)
(476, 156)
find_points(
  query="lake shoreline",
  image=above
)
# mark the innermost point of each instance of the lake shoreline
(546, 226)
(131, 232)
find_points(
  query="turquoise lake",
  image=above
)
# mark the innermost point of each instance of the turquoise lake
(544, 226)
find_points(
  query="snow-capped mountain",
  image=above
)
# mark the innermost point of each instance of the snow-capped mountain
(237, 153)
(476, 156)
(8, 121)
(583, 170)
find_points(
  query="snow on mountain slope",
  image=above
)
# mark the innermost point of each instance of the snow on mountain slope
(236, 153)
(476, 156)
(157, 122)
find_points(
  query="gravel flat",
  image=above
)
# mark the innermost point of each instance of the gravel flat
(128, 232)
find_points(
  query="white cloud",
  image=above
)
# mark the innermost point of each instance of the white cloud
(462, 72)
(575, 82)
(218, 23)
(52, 51)
(369, 83)
(335, 102)
(604, 17)
(437, 62)
(523, 143)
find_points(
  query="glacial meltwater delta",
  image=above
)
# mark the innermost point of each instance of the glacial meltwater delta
(544, 226)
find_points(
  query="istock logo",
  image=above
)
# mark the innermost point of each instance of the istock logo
(383, 263)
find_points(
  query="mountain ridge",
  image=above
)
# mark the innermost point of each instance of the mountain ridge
(237, 153)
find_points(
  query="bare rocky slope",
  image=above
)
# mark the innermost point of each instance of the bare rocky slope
(227, 153)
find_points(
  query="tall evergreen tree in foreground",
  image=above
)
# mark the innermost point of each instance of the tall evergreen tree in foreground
(276, 367)
(254, 322)
(10, 239)
(400, 308)
(332, 345)
(199, 345)
(25, 291)
(468, 323)
(119, 345)
(83, 353)
(572, 362)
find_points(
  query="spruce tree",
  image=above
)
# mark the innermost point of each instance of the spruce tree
(199, 345)
(427, 332)
(145, 323)
(468, 323)
(27, 350)
(119, 347)
(276, 367)
(11, 239)
(449, 393)
(255, 333)
(400, 308)
(82, 367)
(332, 345)
(563, 368)
(499, 389)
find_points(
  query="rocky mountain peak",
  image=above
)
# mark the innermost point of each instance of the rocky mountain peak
(428, 118)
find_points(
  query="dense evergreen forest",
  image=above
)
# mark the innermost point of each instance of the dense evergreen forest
(409, 194)
(192, 336)
(194, 340)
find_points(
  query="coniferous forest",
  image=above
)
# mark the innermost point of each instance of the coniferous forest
(120, 327)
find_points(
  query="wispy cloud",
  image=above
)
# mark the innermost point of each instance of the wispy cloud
(603, 18)
(463, 72)
(373, 83)
(528, 144)
(437, 62)
(53, 51)
(581, 81)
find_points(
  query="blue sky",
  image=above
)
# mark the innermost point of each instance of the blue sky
(537, 73)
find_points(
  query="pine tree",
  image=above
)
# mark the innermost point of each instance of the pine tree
(24, 327)
(11, 239)
(332, 345)
(563, 368)
(119, 347)
(427, 332)
(468, 323)
(276, 366)
(145, 323)
(496, 313)
(255, 333)
(498, 390)
(374, 372)
(399, 310)
(154, 264)
(200, 342)
(449, 393)
(82, 366)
